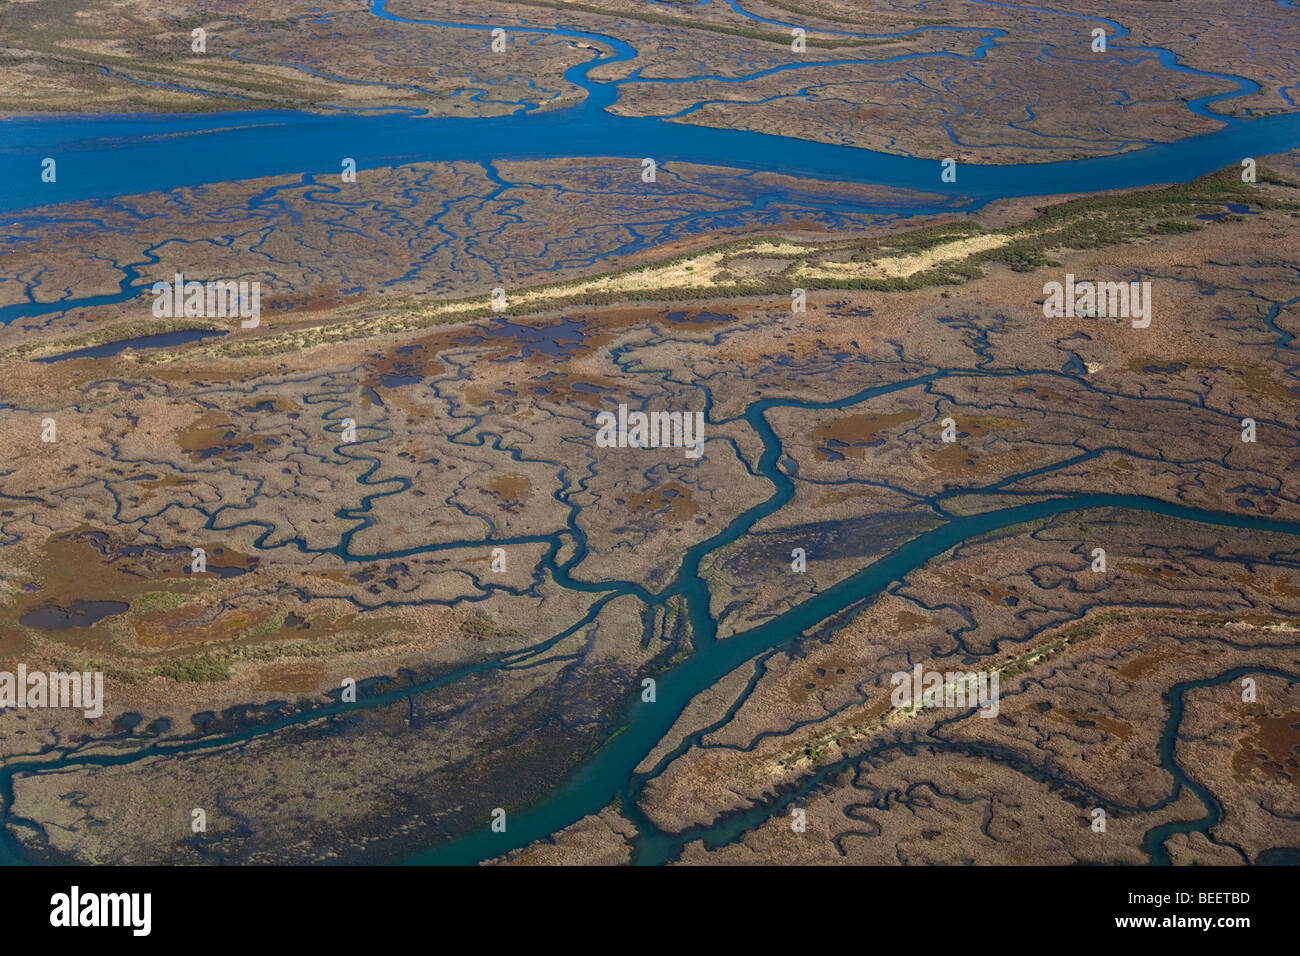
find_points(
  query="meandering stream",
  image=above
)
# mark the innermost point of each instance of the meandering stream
(109, 156)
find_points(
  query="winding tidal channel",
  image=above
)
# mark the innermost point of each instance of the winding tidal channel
(102, 157)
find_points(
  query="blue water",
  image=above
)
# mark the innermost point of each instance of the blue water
(609, 771)
(159, 341)
(104, 156)
(108, 156)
